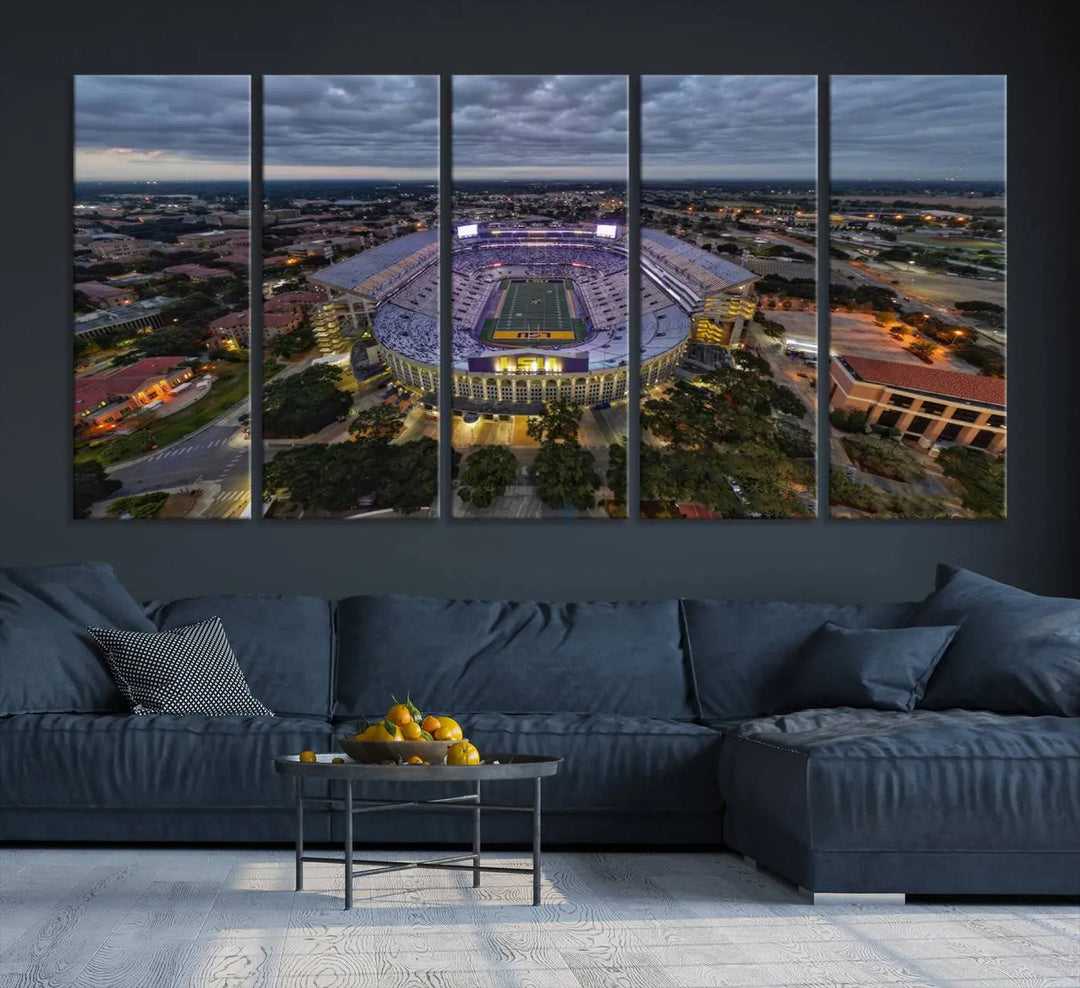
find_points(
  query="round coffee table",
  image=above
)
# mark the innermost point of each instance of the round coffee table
(509, 767)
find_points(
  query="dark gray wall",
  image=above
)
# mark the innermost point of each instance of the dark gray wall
(43, 47)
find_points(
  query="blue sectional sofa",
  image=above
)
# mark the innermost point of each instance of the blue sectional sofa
(664, 712)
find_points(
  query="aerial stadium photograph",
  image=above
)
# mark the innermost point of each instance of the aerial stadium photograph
(728, 254)
(350, 280)
(917, 380)
(160, 230)
(540, 338)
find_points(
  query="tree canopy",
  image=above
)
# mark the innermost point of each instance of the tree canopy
(379, 423)
(487, 473)
(304, 403)
(731, 442)
(336, 477)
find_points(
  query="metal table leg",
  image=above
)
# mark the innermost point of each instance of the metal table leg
(299, 833)
(536, 841)
(476, 840)
(348, 844)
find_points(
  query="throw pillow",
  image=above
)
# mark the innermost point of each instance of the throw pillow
(881, 669)
(189, 670)
(1015, 652)
(48, 663)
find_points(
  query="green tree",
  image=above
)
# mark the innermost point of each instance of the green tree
(411, 478)
(378, 423)
(922, 349)
(848, 420)
(488, 472)
(566, 476)
(885, 457)
(184, 341)
(304, 403)
(91, 483)
(616, 471)
(147, 505)
(335, 477)
(299, 340)
(559, 423)
(981, 477)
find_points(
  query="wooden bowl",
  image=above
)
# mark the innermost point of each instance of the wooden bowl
(378, 752)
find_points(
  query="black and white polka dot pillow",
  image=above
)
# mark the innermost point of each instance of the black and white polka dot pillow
(189, 670)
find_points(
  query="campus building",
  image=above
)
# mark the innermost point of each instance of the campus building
(926, 404)
(123, 320)
(104, 296)
(105, 398)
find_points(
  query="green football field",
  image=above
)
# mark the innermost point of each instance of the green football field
(534, 313)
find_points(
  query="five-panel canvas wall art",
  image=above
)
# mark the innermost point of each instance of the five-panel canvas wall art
(723, 347)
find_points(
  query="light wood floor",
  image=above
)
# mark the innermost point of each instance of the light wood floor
(153, 918)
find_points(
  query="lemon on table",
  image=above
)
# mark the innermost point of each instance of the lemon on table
(308, 756)
(449, 730)
(462, 753)
(416, 760)
(384, 731)
(337, 761)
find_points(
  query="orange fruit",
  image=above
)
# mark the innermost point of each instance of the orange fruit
(462, 753)
(399, 714)
(337, 761)
(416, 760)
(308, 756)
(431, 724)
(411, 731)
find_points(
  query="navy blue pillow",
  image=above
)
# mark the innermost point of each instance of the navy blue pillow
(1015, 652)
(48, 661)
(881, 669)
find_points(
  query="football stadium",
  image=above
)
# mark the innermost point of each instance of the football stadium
(539, 313)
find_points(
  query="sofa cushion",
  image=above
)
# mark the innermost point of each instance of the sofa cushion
(283, 643)
(612, 762)
(189, 670)
(742, 651)
(1015, 652)
(463, 656)
(48, 661)
(863, 780)
(864, 667)
(162, 763)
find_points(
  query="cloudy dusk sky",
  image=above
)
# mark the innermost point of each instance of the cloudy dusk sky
(168, 128)
(161, 128)
(728, 127)
(552, 126)
(351, 127)
(918, 127)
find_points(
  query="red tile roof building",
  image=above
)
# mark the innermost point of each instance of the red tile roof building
(110, 395)
(196, 272)
(104, 296)
(927, 404)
